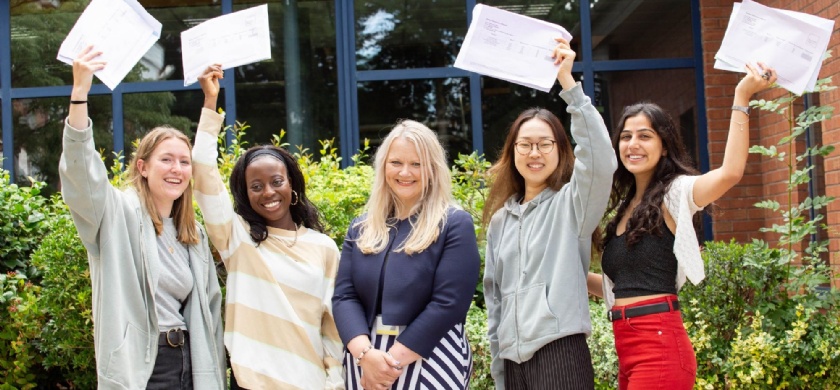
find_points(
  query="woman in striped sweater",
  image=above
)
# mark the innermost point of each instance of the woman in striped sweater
(279, 328)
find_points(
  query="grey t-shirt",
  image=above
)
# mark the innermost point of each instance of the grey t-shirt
(176, 280)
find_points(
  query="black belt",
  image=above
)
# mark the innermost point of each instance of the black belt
(174, 338)
(661, 307)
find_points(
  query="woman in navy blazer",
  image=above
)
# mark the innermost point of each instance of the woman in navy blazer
(407, 273)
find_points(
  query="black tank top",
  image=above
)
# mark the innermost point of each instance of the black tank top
(648, 267)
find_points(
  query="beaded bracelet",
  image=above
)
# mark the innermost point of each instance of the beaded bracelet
(361, 355)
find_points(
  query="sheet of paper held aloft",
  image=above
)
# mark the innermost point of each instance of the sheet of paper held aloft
(793, 43)
(121, 29)
(231, 40)
(511, 47)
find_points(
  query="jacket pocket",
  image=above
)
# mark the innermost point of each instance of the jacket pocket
(125, 363)
(535, 317)
(525, 317)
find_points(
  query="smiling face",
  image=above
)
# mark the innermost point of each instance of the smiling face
(168, 171)
(403, 173)
(270, 191)
(535, 167)
(640, 146)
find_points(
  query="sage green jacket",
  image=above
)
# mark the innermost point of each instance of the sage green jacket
(120, 239)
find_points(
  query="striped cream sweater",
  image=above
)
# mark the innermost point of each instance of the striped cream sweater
(279, 328)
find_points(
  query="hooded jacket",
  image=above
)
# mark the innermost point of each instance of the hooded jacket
(537, 258)
(120, 239)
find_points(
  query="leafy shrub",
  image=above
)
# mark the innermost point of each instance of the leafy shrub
(602, 346)
(21, 319)
(476, 327)
(755, 324)
(24, 214)
(67, 335)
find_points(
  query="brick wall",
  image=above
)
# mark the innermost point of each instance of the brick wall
(764, 179)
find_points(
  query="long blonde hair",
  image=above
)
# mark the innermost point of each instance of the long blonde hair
(430, 209)
(183, 214)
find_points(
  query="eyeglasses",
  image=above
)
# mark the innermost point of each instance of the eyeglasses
(545, 146)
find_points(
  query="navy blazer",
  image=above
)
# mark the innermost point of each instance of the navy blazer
(429, 292)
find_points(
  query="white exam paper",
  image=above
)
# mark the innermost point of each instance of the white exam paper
(511, 47)
(121, 29)
(231, 40)
(793, 43)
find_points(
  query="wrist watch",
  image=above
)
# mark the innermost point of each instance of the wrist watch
(744, 109)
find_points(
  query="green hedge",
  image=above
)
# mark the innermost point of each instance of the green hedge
(756, 321)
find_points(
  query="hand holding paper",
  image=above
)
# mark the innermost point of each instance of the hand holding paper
(792, 42)
(121, 29)
(234, 39)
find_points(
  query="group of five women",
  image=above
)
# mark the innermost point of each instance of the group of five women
(387, 311)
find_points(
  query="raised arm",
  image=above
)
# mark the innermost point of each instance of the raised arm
(84, 179)
(712, 185)
(594, 156)
(210, 191)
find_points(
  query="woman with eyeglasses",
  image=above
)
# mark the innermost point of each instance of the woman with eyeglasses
(542, 209)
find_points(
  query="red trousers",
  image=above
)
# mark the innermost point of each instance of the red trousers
(654, 351)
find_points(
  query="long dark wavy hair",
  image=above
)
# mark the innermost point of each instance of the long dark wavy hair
(647, 216)
(303, 213)
(506, 181)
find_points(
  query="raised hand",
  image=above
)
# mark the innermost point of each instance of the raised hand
(756, 80)
(565, 56)
(84, 66)
(209, 81)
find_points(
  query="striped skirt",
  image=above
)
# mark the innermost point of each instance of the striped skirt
(449, 366)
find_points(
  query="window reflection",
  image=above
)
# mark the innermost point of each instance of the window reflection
(297, 89)
(163, 60)
(402, 34)
(38, 125)
(441, 104)
(641, 29)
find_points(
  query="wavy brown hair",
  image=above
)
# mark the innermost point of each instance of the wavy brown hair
(183, 214)
(647, 216)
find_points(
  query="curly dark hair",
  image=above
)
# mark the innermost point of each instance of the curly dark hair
(304, 212)
(647, 216)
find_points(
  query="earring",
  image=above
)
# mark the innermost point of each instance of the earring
(295, 198)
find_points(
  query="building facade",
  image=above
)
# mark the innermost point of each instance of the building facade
(346, 70)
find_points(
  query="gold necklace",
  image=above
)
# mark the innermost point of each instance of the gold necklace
(295, 240)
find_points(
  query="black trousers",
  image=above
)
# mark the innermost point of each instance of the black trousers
(563, 364)
(173, 368)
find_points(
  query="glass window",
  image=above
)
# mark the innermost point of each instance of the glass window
(441, 104)
(39, 28)
(564, 13)
(641, 29)
(673, 90)
(502, 102)
(163, 60)
(297, 89)
(402, 34)
(38, 125)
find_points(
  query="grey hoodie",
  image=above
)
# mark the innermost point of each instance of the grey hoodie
(537, 259)
(124, 268)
